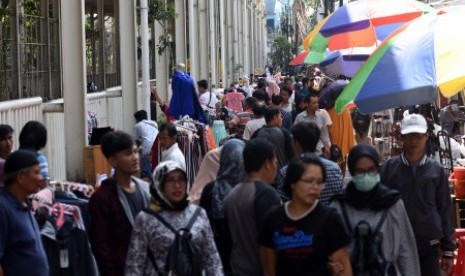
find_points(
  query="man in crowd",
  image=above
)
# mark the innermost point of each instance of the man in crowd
(21, 250)
(321, 118)
(305, 137)
(279, 137)
(114, 206)
(169, 145)
(145, 132)
(206, 98)
(426, 195)
(247, 204)
(257, 122)
(6, 146)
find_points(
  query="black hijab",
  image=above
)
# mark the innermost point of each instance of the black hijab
(380, 197)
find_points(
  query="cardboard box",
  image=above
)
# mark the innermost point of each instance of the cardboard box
(95, 164)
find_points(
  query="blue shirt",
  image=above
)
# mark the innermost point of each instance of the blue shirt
(21, 250)
(333, 185)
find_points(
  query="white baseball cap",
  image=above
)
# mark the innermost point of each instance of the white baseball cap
(414, 123)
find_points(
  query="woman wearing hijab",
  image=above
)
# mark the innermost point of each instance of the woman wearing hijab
(230, 173)
(151, 237)
(301, 237)
(367, 199)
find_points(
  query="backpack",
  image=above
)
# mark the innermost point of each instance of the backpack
(183, 258)
(335, 153)
(367, 258)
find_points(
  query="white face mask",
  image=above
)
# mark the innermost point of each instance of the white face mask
(366, 182)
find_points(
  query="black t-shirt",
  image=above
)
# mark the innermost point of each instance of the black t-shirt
(303, 246)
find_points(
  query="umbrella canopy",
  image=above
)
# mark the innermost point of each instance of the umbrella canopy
(362, 14)
(362, 23)
(409, 67)
(307, 57)
(346, 62)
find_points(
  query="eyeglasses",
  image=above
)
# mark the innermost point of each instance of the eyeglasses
(173, 181)
(313, 183)
(370, 171)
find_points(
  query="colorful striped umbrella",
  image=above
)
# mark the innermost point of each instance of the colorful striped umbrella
(362, 23)
(410, 66)
(307, 57)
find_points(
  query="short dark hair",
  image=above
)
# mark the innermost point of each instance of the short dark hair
(249, 101)
(262, 83)
(203, 84)
(260, 95)
(259, 109)
(305, 80)
(307, 134)
(5, 130)
(287, 90)
(308, 97)
(170, 128)
(287, 79)
(271, 112)
(33, 136)
(296, 168)
(256, 152)
(141, 115)
(276, 99)
(114, 142)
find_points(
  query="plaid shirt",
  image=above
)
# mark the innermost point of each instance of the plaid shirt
(333, 185)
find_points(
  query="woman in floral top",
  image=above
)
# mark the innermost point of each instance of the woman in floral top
(169, 200)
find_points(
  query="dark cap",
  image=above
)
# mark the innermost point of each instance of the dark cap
(359, 151)
(19, 160)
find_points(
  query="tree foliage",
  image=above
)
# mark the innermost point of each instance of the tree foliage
(282, 51)
(162, 12)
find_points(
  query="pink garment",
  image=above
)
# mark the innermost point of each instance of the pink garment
(273, 88)
(207, 173)
(234, 101)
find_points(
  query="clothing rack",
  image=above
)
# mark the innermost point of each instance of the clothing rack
(69, 186)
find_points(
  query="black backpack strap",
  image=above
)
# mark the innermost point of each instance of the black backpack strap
(161, 219)
(152, 260)
(346, 217)
(381, 221)
(193, 218)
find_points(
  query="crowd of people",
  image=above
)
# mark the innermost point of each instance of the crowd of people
(271, 199)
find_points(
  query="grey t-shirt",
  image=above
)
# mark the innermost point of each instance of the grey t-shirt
(245, 207)
(135, 201)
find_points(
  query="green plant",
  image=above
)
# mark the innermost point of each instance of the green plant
(282, 51)
(162, 12)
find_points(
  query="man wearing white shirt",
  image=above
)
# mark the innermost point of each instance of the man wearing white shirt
(169, 146)
(206, 98)
(321, 118)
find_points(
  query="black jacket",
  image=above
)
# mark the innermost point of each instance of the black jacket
(426, 195)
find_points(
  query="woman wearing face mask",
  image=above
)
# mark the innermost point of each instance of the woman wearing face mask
(366, 199)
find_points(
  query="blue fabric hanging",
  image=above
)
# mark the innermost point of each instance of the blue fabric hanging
(184, 100)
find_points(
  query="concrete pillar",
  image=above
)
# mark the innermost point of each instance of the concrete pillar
(74, 85)
(193, 57)
(203, 40)
(161, 66)
(143, 94)
(213, 16)
(245, 42)
(252, 37)
(128, 58)
(230, 61)
(235, 29)
(240, 30)
(223, 42)
(180, 31)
